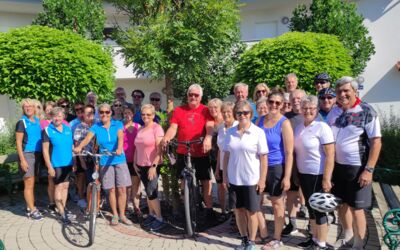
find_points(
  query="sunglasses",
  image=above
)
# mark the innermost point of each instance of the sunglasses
(101, 112)
(320, 82)
(261, 91)
(193, 95)
(239, 113)
(326, 97)
(271, 102)
(64, 105)
(78, 109)
(137, 96)
(144, 114)
(117, 105)
(155, 99)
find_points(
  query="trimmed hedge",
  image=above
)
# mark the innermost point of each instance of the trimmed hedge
(303, 53)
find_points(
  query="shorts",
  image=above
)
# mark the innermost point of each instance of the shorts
(200, 164)
(273, 183)
(79, 167)
(131, 169)
(63, 174)
(346, 186)
(89, 168)
(151, 187)
(293, 186)
(246, 197)
(310, 184)
(34, 160)
(115, 176)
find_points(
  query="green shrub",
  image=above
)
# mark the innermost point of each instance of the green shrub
(303, 53)
(46, 64)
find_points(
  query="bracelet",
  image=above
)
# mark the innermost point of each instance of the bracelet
(369, 169)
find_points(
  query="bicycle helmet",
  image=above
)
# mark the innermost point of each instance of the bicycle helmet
(324, 202)
(322, 77)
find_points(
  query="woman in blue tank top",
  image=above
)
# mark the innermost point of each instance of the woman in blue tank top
(279, 134)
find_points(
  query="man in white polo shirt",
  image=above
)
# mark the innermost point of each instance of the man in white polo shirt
(357, 133)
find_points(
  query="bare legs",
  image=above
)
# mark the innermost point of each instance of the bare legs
(29, 185)
(279, 213)
(247, 223)
(60, 196)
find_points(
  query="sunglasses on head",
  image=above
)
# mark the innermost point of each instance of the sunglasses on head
(102, 112)
(271, 102)
(326, 97)
(193, 95)
(154, 99)
(261, 91)
(239, 113)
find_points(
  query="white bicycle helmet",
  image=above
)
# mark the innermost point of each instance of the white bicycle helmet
(324, 202)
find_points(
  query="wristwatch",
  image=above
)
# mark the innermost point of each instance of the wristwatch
(154, 165)
(369, 169)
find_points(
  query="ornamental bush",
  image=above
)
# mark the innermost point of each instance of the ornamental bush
(46, 64)
(303, 53)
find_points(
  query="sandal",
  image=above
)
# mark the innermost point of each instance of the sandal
(114, 220)
(125, 221)
(273, 244)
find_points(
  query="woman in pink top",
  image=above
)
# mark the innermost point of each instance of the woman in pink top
(48, 106)
(148, 155)
(130, 131)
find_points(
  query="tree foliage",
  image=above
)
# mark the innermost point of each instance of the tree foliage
(303, 53)
(183, 41)
(46, 64)
(85, 17)
(339, 18)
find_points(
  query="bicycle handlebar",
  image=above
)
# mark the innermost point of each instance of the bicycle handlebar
(187, 143)
(88, 153)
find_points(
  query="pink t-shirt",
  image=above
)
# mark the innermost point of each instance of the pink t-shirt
(146, 144)
(45, 123)
(129, 139)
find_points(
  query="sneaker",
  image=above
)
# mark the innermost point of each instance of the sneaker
(342, 243)
(242, 246)
(82, 203)
(273, 244)
(52, 208)
(250, 246)
(65, 220)
(147, 222)
(289, 230)
(129, 206)
(157, 225)
(307, 243)
(35, 215)
(302, 212)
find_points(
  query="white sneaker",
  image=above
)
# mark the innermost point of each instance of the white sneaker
(130, 206)
(82, 203)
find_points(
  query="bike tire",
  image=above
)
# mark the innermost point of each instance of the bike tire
(93, 214)
(188, 209)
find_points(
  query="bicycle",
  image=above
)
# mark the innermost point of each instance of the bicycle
(191, 189)
(93, 189)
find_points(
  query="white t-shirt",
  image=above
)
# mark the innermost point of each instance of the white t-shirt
(308, 146)
(352, 130)
(220, 141)
(244, 161)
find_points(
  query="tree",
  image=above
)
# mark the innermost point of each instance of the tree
(303, 53)
(85, 17)
(46, 64)
(182, 41)
(339, 18)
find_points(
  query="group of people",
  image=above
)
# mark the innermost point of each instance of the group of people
(283, 143)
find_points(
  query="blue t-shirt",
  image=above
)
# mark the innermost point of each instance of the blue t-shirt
(107, 139)
(32, 140)
(60, 145)
(276, 148)
(254, 108)
(74, 123)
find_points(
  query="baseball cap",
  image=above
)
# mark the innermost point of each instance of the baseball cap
(322, 77)
(326, 91)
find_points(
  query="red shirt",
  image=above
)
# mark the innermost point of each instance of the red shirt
(191, 126)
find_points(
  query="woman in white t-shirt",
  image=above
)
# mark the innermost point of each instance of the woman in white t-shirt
(245, 170)
(314, 148)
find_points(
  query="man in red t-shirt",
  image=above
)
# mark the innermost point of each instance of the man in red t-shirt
(190, 122)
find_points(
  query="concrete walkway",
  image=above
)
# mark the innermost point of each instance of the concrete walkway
(18, 232)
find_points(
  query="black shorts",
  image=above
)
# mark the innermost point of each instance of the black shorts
(151, 187)
(131, 169)
(246, 197)
(63, 174)
(293, 186)
(274, 179)
(200, 164)
(346, 186)
(310, 184)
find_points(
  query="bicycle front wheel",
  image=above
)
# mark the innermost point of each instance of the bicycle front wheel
(188, 208)
(93, 214)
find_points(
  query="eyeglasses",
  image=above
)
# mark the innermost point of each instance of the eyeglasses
(78, 109)
(272, 102)
(308, 109)
(155, 99)
(137, 96)
(239, 113)
(101, 112)
(326, 97)
(320, 82)
(193, 95)
(287, 104)
(117, 105)
(144, 114)
(64, 105)
(261, 91)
